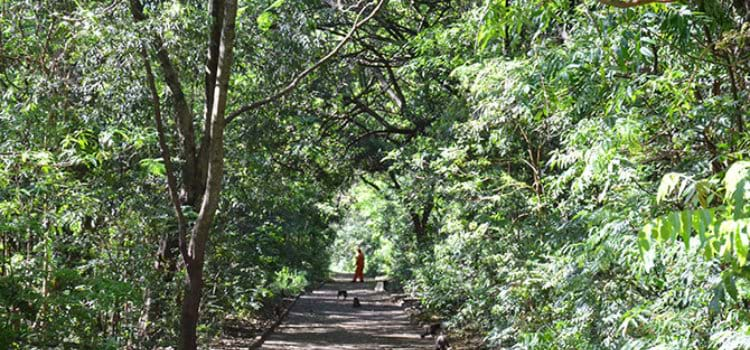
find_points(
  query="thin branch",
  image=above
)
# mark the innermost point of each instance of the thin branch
(364, 108)
(396, 87)
(293, 84)
(169, 169)
(395, 93)
(183, 113)
(380, 132)
(215, 171)
(369, 183)
(212, 63)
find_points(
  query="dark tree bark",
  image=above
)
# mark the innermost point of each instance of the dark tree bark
(212, 60)
(420, 220)
(199, 236)
(201, 176)
(506, 44)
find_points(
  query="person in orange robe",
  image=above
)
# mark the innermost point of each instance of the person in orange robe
(359, 271)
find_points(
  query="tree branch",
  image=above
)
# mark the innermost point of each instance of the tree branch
(169, 169)
(409, 132)
(364, 108)
(215, 170)
(293, 84)
(212, 62)
(369, 183)
(184, 115)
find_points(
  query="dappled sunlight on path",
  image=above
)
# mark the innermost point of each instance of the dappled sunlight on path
(320, 321)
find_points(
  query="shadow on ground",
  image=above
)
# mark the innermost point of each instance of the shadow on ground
(321, 321)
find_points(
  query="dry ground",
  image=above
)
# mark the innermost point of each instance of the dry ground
(318, 321)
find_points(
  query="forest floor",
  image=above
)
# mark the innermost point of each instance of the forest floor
(321, 321)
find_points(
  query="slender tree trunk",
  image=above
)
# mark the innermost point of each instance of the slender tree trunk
(202, 176)
(419, 229)
(196, 251)
(190, 305)
(506, 46)
(420, 221)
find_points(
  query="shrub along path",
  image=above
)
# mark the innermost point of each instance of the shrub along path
(318, 321)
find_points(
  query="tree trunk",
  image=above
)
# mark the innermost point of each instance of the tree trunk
(419, 229)
(420, 221)
(190, 304)
(195, 254)
(202, 176)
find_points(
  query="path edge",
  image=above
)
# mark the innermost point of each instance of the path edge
(259, 340)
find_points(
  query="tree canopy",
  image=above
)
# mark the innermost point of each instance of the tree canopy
(546, 174)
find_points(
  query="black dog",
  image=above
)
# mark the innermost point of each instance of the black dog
(356, 302)
(432, 330)
(341, 292)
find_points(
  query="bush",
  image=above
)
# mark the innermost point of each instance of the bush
(288, 282)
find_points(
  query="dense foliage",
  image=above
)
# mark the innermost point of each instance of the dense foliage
(549, 224)
(86, 221)
(541, 173)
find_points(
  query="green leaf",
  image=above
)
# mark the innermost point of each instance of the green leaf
(701, 219)
(676, 221)
(651, 230)
(714, 306)
(733, 180)
(738, 200)
(727, 279)
(726, 237)
(665, 230)
(741, 243)
(685, 220)
(647, 52)
(154, 166)
(265, 21)
(702, 192)
(736, 173)
(276, 4)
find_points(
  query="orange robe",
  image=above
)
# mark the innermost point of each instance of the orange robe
(359, 271)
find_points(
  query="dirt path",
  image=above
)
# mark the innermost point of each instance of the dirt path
(318, 321)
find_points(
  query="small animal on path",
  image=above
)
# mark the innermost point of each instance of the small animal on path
(356, 302)
(441, 342)
(432, 329)
(341, 293)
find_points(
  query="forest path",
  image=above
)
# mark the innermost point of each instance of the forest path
(319, 321)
